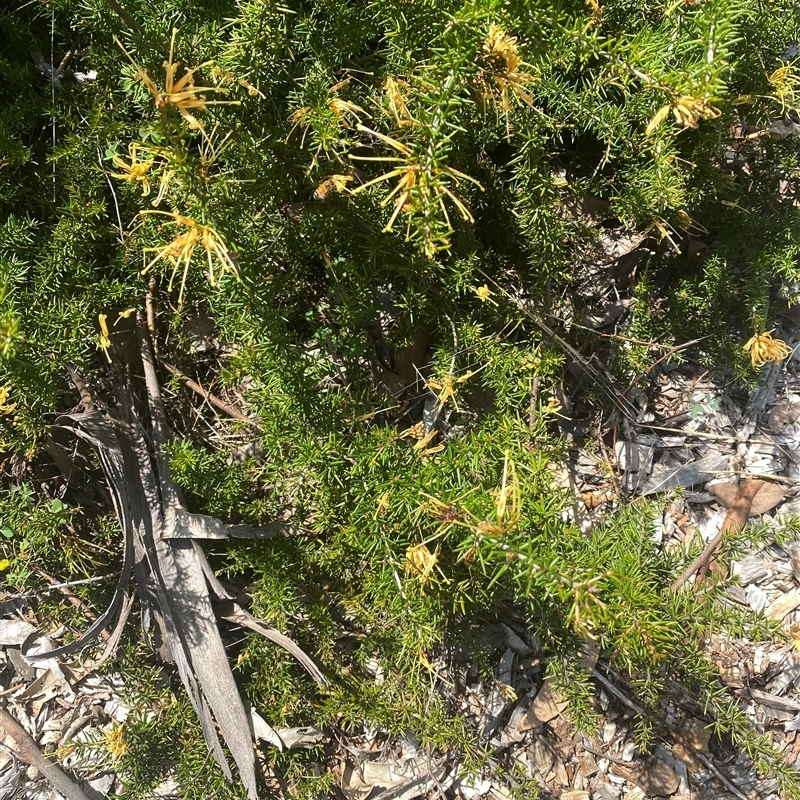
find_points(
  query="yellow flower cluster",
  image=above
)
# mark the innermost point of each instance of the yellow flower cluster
(181, 249)
(503, 70)
(180, 94)
(763, 348)
(785, 83)
(420, 562)
(138, 170)
(5, 406)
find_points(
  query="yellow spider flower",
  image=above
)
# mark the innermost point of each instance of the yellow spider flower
(344, 112)
(785, 83)
(763, 348)
(447, 387)
(5, 406)
(420, 562)
(503, 73)
(422, 183)
(507, 511)
(180, 94)
(137, 170)
(484, 294)
(181, 249)
(115, 741)
(397, 103)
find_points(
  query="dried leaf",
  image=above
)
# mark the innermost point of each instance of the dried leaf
(783, 413)
(767, 497)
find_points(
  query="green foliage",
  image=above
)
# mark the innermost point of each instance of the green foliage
(380, 195)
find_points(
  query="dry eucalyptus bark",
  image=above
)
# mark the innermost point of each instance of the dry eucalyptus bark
(173, 576)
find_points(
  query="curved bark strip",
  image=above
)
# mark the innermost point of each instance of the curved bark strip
(173, 577)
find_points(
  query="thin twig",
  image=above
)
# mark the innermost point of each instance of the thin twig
(670, 352)
(74, 600)
(227, 408)
(603, 382)
(30, 753)
(533, 402)
(601, 754)
(734, 521)
(113, 196)
(67, 585)
(211, 398)
(617, 693)
(728, 785)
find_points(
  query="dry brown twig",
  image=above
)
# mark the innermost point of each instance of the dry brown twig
(742, 501)
(215, 401)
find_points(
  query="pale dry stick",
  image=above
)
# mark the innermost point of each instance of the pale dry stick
(717, 437)
(595, 751)
(67, 585)
(533, 402)
(734, 522)
(150, 313)
(30, 753)
(113, 196)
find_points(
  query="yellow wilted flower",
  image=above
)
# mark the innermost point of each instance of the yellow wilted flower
(422, 185)
(181, 249)
(397, 103)
(5, 406)
(785, 83)
(4, 564)
(484, 294)
(503, 70)
(763, 348)
(447, 386)
(180, 94)
(344, 112)
(104, 340)
(420, 562)
(136, 171)
(687, 110)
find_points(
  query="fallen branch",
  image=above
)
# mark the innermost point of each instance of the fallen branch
(172, 574)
